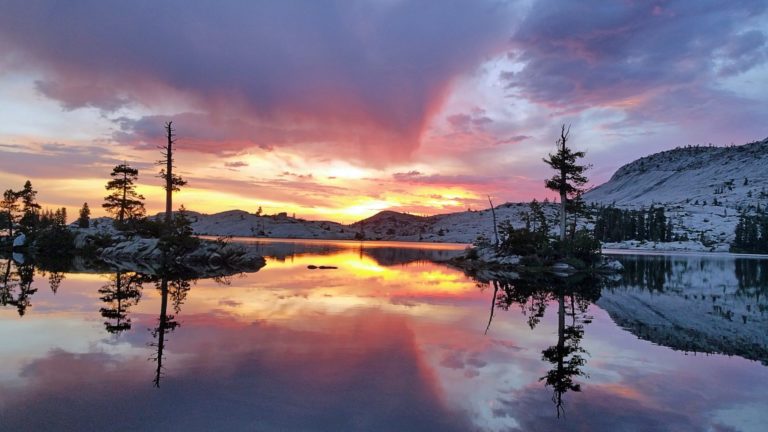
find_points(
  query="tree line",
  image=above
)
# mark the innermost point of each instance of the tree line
(614, 225)
(751, 234)
(47, 229)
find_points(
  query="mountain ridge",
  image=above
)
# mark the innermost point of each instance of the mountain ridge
(701, 188)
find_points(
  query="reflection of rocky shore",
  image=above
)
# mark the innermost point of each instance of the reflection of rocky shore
(383, 255)
(694, 304)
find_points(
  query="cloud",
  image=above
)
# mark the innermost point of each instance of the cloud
(236, 164)
(367, 75)
(576, 55)
(416, 177)
(55, 160)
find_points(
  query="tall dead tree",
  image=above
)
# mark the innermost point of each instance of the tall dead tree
(493, 213)
(173, 182)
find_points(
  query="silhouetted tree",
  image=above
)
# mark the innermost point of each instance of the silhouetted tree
(173, 182)
(123, 201)
(538, 218)
(533, 294)
(84, 221)
(121, 293)
(10, 208)
(54, 280)
(569, 178)
(567, 355)
(30, 208)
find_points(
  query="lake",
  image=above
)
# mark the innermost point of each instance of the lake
(388, 339)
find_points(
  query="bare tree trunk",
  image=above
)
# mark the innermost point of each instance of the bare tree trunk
(121, 216)
(161, 329)
(495, 229)
(563, 181)
(562, 216)
(169, 175)
(493, 304)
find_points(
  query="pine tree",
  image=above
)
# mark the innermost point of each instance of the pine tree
(123, 201)
(173, 182)
(30, 208)
(10, 208)
(569, 179)
(538, 219)
(84, 221)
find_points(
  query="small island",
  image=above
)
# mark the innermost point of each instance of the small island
(130, 241)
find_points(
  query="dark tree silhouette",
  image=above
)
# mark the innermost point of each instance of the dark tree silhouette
(30, 208)
(533, 295)
(123, 201)
(10, 208)
(18, 276)
(172, 287)
(54, 280)
(567, 356)
(173, 182)
(84, 221)
(569, 179)
(121, 293)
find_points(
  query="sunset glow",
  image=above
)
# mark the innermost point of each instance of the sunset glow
(421, 107)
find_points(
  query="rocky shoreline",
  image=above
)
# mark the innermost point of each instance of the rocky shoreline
(129, 251)
(487, 264)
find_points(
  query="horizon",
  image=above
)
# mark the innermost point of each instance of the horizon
(339, 111)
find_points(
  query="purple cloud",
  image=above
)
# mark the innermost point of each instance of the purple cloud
(582, 54)
(309, 70)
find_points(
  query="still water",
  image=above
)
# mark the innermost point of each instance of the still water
(390, 340)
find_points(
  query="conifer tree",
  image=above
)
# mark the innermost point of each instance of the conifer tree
(30, 208)
(569, 179)
(123, 201)
(538, 219)
(10, 208)
(173, 182)
(84, 221)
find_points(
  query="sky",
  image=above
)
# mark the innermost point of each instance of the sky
(337, 109)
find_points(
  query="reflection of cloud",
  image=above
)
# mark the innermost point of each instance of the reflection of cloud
(235, 376)
(230, 303)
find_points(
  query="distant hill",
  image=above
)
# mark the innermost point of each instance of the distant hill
(461, 227)
(700, 188)
(731, 176)
(244, 224)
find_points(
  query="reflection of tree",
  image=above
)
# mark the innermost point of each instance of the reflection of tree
(54, 280)
(573, 296)
(650, 272)
(121, 293)
(10, 278)
(172, 287)
(16, 289)
(752, 275)
(567, 356)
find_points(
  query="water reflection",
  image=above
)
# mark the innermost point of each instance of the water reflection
(16, 289)
(172, 285)
(121, 293)
(383, 253)
(693, 303)
(572, 296)
(376, 346)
